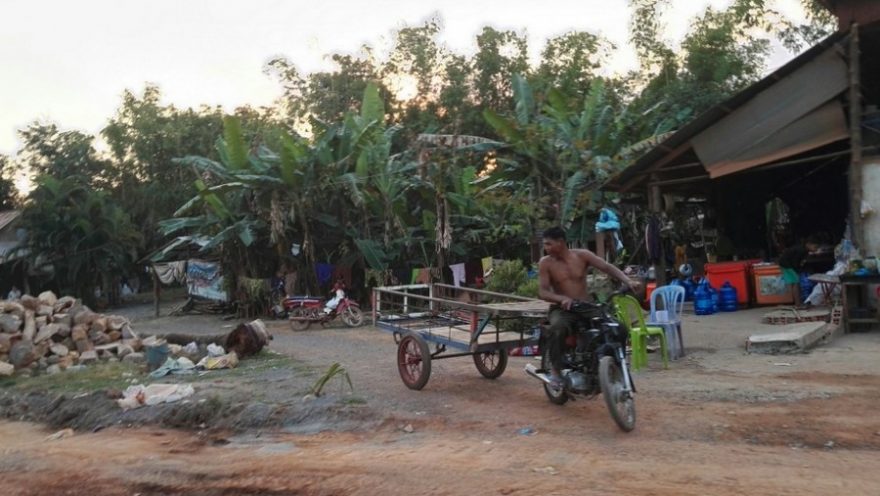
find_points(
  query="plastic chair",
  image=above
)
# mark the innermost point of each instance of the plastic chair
(672, 300)
(630, 314)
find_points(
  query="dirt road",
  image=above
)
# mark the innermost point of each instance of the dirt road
(719, 422)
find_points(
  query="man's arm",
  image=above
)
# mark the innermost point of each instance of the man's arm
(545, 288)
(610, 269)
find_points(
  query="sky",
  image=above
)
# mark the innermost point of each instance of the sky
(68, 62)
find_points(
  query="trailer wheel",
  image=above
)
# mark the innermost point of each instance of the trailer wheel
(491, 363)
(413, 361)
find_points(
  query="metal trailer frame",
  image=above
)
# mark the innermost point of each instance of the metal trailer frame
(451, 324)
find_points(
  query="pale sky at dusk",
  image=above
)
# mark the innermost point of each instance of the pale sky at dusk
(68, 62)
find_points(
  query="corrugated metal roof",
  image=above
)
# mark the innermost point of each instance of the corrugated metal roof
(7, 216)
(711, 116)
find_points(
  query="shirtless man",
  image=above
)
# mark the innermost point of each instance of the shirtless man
(562, 275)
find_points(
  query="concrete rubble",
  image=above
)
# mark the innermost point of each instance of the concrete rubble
(791, 338)
(37, 333)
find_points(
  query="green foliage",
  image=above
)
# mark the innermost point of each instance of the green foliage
(49, 151)
(7, 185)
(507, 277)
(79, 238)
(362, 184)
(335, 370)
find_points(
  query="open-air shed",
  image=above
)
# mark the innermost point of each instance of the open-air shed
(809, 134)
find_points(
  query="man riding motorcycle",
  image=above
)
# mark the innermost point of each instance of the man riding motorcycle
(562, 276)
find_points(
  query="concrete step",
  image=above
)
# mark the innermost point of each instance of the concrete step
(791, 338)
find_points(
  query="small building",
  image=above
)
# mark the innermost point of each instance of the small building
(807, 135)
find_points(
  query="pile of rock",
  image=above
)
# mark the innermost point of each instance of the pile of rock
(54, 334)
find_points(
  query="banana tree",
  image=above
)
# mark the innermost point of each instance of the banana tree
(232, 196)
(559, 153)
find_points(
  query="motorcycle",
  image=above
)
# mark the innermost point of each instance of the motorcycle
(595, 362)
(302, 311)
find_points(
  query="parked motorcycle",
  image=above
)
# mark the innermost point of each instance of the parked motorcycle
(595, 362)
(302, 311)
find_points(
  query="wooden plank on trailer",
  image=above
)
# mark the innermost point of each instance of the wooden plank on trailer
(532, 306)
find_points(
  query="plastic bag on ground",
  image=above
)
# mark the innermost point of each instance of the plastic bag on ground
(228, 361)
(182, 365)
(139, 395)
(215, 350)
(191, 349)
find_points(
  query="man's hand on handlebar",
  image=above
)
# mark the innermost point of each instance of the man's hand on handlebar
(633, 285)
(566, 303)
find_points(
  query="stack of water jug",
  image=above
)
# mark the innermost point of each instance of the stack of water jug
(708, 300)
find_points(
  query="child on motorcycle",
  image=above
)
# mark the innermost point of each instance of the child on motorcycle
(339, 294)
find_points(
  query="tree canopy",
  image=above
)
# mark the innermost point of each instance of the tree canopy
(350, 164)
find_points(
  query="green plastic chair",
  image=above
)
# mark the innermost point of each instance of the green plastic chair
(630, 314)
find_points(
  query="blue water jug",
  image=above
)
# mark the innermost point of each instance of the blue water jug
(806, 286)
(702, 299)
(728, 297)
(689, 288)
(716, 301)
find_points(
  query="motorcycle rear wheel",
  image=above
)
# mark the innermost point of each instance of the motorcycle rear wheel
(620, 403)
(558, 397)
(352, 316)
(300, 319)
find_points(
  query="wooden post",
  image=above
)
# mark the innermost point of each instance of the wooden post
(600, 245)
(855, 129)
(157, 285)
(657, 208)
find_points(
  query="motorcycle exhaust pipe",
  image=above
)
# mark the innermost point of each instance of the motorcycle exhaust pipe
(532, 371)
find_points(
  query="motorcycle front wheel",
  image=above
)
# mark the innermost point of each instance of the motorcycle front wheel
(620, 402)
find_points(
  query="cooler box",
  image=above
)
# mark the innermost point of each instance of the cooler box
(735, 272)
(770, 288)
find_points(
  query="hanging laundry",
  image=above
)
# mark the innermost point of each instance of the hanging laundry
(473, 270)
(458, 273)
(171, 272)
(423, 276)
(324, 273)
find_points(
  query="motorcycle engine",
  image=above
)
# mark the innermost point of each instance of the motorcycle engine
(577, 382)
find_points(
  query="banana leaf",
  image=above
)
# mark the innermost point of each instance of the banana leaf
(373, 253)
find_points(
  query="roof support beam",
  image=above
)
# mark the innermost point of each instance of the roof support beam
(674, 154)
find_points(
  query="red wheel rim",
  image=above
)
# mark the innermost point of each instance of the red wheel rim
(409, 360)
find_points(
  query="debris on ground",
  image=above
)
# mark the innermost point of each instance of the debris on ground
(248, 339)
(791, 315)
(545, 470)
(182, 365)
(792, 338)
(39, 332)
(63, 433)
(139, 395)
(227, 361)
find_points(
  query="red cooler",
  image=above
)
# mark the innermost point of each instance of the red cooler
(735, 272)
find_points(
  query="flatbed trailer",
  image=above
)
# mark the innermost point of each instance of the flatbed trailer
(457, 322)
